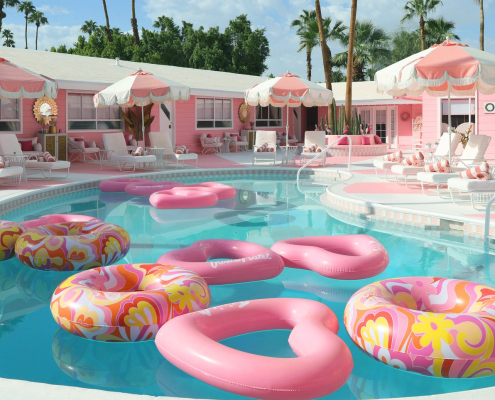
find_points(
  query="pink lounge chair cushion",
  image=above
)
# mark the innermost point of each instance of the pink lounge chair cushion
(343, 142)
(378, 140)
(209, 135)
(26, 145)
(365, 140)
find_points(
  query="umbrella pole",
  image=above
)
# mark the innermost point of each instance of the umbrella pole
(287, 137)
(449, 122)
(142, 126)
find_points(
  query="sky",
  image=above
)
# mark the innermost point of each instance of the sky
(66, 17)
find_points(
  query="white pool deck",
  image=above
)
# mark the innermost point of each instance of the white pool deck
(360, 187)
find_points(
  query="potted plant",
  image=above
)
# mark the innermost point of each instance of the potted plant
(436, 144)
(428, 145)
(252, 125)
(134, 123)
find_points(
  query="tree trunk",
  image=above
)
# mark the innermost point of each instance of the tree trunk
(482, 26)
(308, 62)
(422, 32)
(327, 59)
(26, 31)
(134, 25)
(350, 59)
(2, 15)
(108, 32)
(37, 27)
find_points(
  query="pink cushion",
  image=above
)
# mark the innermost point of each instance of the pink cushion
(234, 134)
(365, 140)
(209, 135)
(344, 141)
(378, 140)
(26, 145)
(80, 140)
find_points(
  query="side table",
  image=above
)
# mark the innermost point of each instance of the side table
(290, 154)
(18, 161)
(226, 145)
(158, 153)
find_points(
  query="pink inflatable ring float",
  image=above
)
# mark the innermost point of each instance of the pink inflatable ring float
(246, 261)
(433, 326)
(57, 219)
(323, 365)
(147, 189)
(338, 257)
(119, 184)
(183, 198)
(223, 192)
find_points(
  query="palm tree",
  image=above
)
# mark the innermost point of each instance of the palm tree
(370, 45)
(27, 8)
(308, 32)
(482, 24)
(6, 3)
(437, 30)
(134, 24)
(38, 18)
(107, 28)
(9, 38)
(421, 8)
(350, 59)
(89, 27)
(161, 23)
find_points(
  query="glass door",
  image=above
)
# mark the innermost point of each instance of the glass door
(381, 124)
(393, 128)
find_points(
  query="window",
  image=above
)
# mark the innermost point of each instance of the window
(10, 120)
(462, 111)
(268, 116)
(213, 113)
(83, 116)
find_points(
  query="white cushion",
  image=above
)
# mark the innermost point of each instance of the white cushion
(188, 156)
(115, 142)
(9, 144)
(472, 185)
(10, 171)
(268, 137)
(314, 138)
(33, 164)
(33, 140)
(38, 147)
(383, 164)
(134, 159)
(400, 169)
(436, 177)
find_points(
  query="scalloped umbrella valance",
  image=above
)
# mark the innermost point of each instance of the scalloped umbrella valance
(20, 83)
(443, 69)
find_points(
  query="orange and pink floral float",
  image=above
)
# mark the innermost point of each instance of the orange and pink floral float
(127, 302)
(9, 233)
(433, 326)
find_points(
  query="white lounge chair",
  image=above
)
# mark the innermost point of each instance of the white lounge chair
(472, 154)
(478, 190)
(241, 143)
(270, 138)
(163, 140)
(441, 152)
(12, 175)
(210, 144)
(314, 138)
(116, 151)
(82, 149)
(9, 146)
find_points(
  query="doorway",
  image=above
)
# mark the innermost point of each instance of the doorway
(166, 119)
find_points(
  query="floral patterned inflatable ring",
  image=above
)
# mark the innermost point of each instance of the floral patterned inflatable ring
(9, 233)
(183, 198)
(72, 246)
(246, 262)
(147, 189)
(223, 192)
(433, 326)
(338, 257)
(127, 302)
(119, 184)
(58, 218)
(323, 363)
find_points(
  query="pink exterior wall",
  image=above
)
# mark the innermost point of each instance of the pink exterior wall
(404, 128)
(431, 115)
(486, 124)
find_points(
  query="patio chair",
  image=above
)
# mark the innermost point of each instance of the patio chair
(12, 175)
(210, 144)
(32, 148)
(268, 138)
(163, 140)
(11, 150)
(116, 151)
(314, 138)
(479, 191)
(473, 153)
(441, 152)
(241, 143)
(80, 148)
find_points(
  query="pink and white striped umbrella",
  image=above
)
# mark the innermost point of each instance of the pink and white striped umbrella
(20, 83)
(288, 90)
(443, 68)
(141, 88)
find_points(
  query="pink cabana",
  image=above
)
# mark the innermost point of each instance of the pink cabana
(20, 83)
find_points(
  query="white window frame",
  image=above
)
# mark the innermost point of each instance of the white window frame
(82, 92)
(472, 100)
(19, 104)
(268, 120)
(223, 128)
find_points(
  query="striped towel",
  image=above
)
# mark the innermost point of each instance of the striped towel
(483, 176)
(48, 157)
(180, 149)
(310, 149)
(263, 148)
(445, 170)
(138, 152)
(435, 167)
(2, 162)
(394, 157)
(470, 173)
(415, 157)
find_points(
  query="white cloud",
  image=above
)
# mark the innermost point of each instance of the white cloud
(54, 10)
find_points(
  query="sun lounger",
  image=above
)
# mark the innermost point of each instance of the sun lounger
(116, 151)
(268, 138)
(311, 139)
(163, 140)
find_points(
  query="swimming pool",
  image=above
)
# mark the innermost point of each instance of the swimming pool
(33, 348)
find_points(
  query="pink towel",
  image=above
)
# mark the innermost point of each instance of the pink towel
(415, 157)
(435, 167)
(48, 157)
(444, 170)
(2, 162)
(418, 163)
(139, 152)
(483, 176)
(470, 173)
(394, 157)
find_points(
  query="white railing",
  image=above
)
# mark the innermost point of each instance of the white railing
(487, 217)
(324, 153)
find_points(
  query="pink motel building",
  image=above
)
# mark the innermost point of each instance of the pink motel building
(214, 104)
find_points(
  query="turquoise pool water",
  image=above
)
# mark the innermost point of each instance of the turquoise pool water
(33, 348)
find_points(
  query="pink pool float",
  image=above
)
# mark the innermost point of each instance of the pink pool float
(245, 261)
(57, 219)
(323, 363)
(433, 326)
(119, 184)
(223, 192)
(183, 198)
(147, 189)
(338, 257)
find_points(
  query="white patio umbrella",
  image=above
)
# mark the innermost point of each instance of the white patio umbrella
(141, 88)
(288, 90)
(443, 69)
